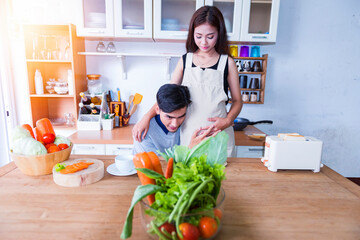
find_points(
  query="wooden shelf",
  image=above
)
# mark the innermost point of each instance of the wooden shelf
(251, 58)
(51, 96)
(251, 90)
(46, 61)
(259, 73)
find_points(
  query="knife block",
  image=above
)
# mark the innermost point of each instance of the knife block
(122, 111)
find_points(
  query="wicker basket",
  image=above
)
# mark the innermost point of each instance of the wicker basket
(40, 164)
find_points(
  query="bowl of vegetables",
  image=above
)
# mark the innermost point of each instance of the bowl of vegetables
(36, 154)
(187, 200)
(198, 223)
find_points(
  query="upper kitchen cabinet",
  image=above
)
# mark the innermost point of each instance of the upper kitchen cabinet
(133, 18)
(96, 18)
(259, 21)
(231, 10)
(172, 17)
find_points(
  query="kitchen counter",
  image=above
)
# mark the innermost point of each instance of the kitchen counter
(123, 135)
(259, 204)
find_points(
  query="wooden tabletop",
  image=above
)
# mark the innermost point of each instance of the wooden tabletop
(123, 135)
(259, 204)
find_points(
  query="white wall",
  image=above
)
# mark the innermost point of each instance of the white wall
(312, 81)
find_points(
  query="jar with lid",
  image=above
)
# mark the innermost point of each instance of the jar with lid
(245, 96)
(253, 97)
(94, 84)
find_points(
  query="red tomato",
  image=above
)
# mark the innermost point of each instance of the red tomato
(168, 227)
(48, 138)
(189, 231)
(49, 145)
(218, 213)
(208, 227)
(63, 146)
(53, 149)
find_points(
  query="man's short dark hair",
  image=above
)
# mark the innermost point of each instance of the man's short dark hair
(171, 97)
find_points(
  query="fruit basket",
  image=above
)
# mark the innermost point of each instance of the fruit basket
(36, 165)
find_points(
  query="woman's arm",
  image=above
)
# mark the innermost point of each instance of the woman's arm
(141, 128)
(234, 86)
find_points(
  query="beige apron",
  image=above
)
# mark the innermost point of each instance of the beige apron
(208, 100)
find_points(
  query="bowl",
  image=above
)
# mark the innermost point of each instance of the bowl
(61, 90)
(147, 220)
(37, 165)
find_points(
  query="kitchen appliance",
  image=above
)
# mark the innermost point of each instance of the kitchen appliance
(303, 153)
(241, 123)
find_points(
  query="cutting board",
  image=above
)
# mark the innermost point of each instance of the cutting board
(92, 174)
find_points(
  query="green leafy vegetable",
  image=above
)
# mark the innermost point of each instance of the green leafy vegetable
(61, 139)
(28, 146)
(18, 133)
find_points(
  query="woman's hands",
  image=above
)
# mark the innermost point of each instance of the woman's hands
(202, 133)
(221, 123)
(140, 129)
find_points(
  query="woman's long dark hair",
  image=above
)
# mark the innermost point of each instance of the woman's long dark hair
(213, 16)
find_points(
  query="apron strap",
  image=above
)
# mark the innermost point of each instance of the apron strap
(189, 58)
(222, 62)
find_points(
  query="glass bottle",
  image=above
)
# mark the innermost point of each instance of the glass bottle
(95, 100)
(94, 110)
(83, 109)
(85, 100)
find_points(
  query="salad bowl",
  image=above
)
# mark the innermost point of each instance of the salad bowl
(152, 218)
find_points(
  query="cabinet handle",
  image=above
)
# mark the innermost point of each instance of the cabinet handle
(263, 37)
(120, 148)
(256, 149)
(178, 35)
(96, 31)
(134, 33)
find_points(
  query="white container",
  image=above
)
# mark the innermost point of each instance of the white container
(39, 84)
(292, 155)
(107, 124)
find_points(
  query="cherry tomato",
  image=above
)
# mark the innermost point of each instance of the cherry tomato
(49, 145)
(48, 138)
(53, 149)
(208, 227)
(189, 231)
(218, 213)
(168, 227)
(63, 146)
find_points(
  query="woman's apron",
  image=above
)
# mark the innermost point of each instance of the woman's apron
(208, 100)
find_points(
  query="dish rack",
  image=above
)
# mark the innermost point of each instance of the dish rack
(91, 121)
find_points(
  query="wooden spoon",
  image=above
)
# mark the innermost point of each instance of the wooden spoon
(137, 99)
(131, 99)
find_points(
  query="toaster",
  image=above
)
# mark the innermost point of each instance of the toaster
(304, 154)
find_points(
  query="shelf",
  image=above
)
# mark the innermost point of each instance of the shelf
(122, 56)
(249, 58)
(259, 73)
(253, 102)
(51, 96)
(250, 89)
(46, 61)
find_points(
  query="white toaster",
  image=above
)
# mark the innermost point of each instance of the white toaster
(280, 154)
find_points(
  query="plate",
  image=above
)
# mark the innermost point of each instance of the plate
(112, 169)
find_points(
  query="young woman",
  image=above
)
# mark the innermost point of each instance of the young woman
(208, 71)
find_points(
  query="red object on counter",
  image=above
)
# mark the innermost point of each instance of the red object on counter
(46, 130)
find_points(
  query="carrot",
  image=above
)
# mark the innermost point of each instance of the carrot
(169, 168)
(155, 162)
(38, 135)
(29, 128)
(75, 167)
(142, 160)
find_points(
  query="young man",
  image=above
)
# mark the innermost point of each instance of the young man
(172, 101)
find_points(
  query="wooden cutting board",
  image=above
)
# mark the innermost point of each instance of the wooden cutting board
(92, 174)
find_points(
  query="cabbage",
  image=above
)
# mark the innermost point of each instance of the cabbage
(61, 139)
(18, 133)
(28, 146)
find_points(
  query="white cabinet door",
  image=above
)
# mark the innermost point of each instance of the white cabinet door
(231, 10)
(95, 18)
(249, 151)
(88, 149)
(133, 18)
(172, 18)
(119, 149)
(259, 20)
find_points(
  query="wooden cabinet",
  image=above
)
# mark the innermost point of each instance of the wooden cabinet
(133, 18)
(259, 21)
(95, 18)
(52, 49)
(260, 92)
(172, 17)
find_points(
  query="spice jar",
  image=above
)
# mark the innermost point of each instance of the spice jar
(245, 96)
(94, 84)
(253, 97)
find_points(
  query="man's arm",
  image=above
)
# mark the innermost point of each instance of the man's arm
(145, 145)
